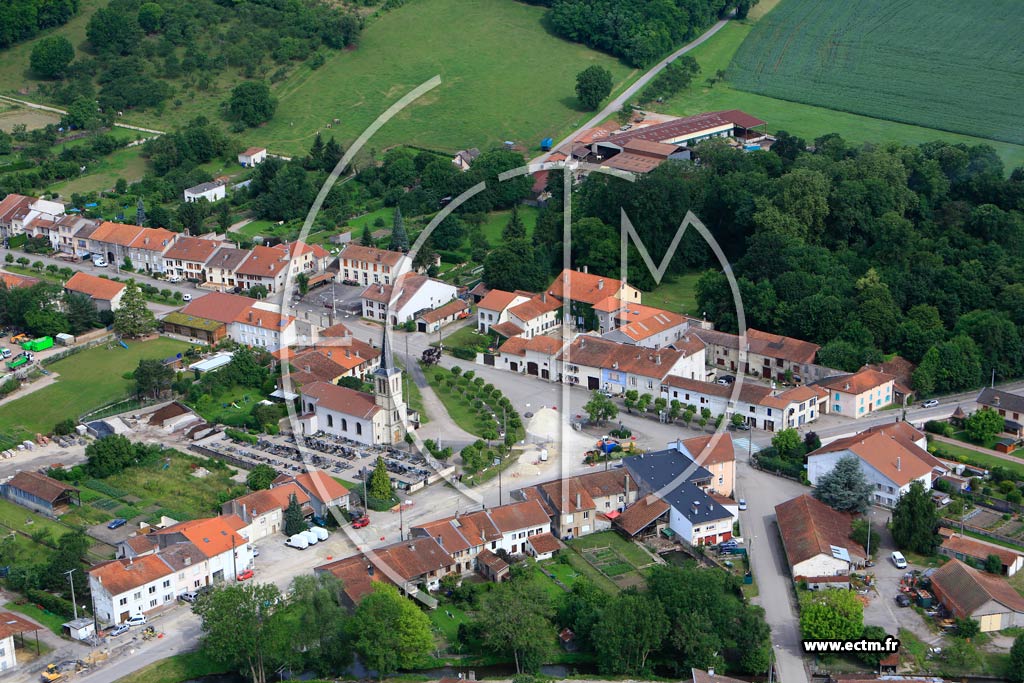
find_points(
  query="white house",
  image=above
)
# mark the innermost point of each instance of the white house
(263, 511)
(633, 323)
(211, 192)
(324, 491)
(261, 325)
(760, 406)
(493, 308)
(537, 315)
(187, 257)
(367, 265)
(597, 363)
(106, 294)
(889, 457)
(860, 394)
(126, 587)
(411, 295)
(535, 356)
(253, 156)
(811, 531)
(464, 158)
(17, 212)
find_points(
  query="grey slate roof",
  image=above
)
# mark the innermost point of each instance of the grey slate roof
(1004, 400)
(656, 470)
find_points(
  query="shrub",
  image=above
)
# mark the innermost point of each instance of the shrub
(464, 354)
(51, 603)
(469, 374)
(939, 427)
(238, 435)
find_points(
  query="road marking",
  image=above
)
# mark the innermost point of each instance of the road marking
(745, 444)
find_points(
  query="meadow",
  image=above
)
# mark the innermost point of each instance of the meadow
(942, 64)
(87, 380)
(805, 120)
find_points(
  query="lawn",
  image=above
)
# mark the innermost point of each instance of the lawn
(102, 175)
(943, 65)
(805, 120)
(258, 227)
(175, 669)
(676, 293)
(467, 338)
(413, 396)
(630, 552)
(448, 626)
(88, 380)
(972, 456)
(497, 220)
(563, 572)
(506, 79)
(52, 621)
(232, 407)
(461, 412)
(13, 516)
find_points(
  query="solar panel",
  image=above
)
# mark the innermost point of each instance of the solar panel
(840, 553)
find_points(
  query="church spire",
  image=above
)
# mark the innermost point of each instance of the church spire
(386, 362)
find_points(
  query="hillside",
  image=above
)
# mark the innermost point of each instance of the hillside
(944, 64)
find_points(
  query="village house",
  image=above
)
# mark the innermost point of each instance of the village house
(253, 156)
(263, 327)
(64, 238)
(219, 270)
(975, 551)
(493, 308)
(219, 540)
(14, 280)
(368, 265)
(310, 259)
(434, 320)
(599, 364)
(357, 575)
(584, 290)
(816, 539)
(414, 566)
(17, 212)
(187, 257)
(211, 192)
(106, 294)
(324, 491)
(581, 504)
(859, 394)
(639, 325)
(890, 456)
(263, 511)
(768, 356)
(264, 266)
(536, 356)
(123, 588)
(1009, 405)
(40, 493)
(972, 594)
(464, 158)
(539, 314)
(410, 296)
(760, 406)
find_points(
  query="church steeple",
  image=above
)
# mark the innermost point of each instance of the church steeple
(387, 384)
(387, 363)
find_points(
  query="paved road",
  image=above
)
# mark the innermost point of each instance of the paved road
(617, 103)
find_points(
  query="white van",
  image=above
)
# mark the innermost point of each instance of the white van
(310, 537)
(137, 620)
(297, 541)
(320, 532)
(899, 560)
(99, 261)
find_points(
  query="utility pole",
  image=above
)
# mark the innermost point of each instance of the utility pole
(869, 536)
(74, 604)
(234, 557)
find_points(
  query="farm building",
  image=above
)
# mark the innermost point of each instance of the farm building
(434, 320)
(972, 594)
(40, 493)
(211, 192)
(12, 625)
(464, 158)
(253, 156)
(816, 538)
(965, 548)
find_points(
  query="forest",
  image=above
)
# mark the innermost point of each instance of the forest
(867, 251)
(22, 19)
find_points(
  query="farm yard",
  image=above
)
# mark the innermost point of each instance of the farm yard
(943, 65)
(710, 93)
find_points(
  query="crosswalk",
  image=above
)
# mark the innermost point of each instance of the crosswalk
(743, 445)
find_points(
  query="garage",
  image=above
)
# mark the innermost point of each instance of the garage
(593, 383)
(532, 368)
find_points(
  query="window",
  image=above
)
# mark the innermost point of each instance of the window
(836, 408)
(607, 504)
(137, 596)
(152, 589)
(344, 425)
(122, 601)
(837, 395)
(621, 498)
(330, 420)
(152, 603)
(359, 428)
(769, 412)
(586, 515)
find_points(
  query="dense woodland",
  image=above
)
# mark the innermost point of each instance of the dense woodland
(22, 19)
(865, 250)
(639, 33)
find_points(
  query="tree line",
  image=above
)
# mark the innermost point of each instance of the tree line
(23, 19)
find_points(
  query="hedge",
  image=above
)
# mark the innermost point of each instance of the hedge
(464, 353)
(236, 435)
(51, 603)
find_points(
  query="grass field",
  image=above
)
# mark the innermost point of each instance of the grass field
(103, 174)
(88, 380)
(981, 459)
(52, 621)
(805, 120)
(630, 552)
(505, 79)
(175, 669)
(942, 64)
(678, 294)
(497, 220)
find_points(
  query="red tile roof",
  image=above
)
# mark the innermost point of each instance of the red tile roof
(964, 589)
(507, 329)
(224, 308)
(116, 233)
(359, 253)
(690, 125)
(121, 576)
(340, 399)
(192, 249)
(39, 485)
(706, 450)
(497, 300)
(263, 262)
(12, 624)
(356, 579)
(640, 514)
(320, 485)
(535, 307)
(857, 383)
(584, 287)
(277, 498)
(516, 516)
(212, 536)
(268, 320)
(12, 280)
(451, 308)
(810, 528)
(899, 460)
(94, 287)
(955, 543)
(14, 206)
(595, 352)
(545, 543)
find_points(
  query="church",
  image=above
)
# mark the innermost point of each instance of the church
(373, 419)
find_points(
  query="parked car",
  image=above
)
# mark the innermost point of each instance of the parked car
(902, 600)
(726, 379)
(361, 522)
(99, 261)
(6, 353)
(117, 523)
(187, 597)
(136, 620)
(245, 576)
(173, 278)
(899, 560)
(743, 504)
(930, 403)
(741, 427)
(731, 543)
(118, 630)
(186, 297)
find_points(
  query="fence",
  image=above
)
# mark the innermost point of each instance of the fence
(106, 339)
(122, 406)
(981, 531)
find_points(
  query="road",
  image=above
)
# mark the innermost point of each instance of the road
(54, 110)
(621, 99)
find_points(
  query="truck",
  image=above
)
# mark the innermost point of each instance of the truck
(17, 362)
(38, 344)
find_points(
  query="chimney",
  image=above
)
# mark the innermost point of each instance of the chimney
(348, 353)
(898, 463)
(657, 359)
(250, 316)
(369, 569)
(846, 387)
(600, 285)
(544, 297)
(711, 672)
(412, 547)
(329, 354)
(586, 269)
(579, 499)
(307, 367)
(583, 342)
(625, 478)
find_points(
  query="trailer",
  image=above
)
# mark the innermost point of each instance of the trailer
(17, 362)
(39, 344)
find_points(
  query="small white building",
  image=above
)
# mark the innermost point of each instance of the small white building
(211, 192)
(816, 538)
(253, 156)
(410, 296)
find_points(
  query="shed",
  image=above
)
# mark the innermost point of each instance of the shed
(546, 144)
(65, 339)
(40, 493)
(214, 362)
(82, 628)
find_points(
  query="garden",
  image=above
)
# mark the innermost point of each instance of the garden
(476, 406)
(613, 557)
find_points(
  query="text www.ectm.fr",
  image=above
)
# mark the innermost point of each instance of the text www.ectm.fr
(890, 644)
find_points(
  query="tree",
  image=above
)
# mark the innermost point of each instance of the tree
(859, 534)
(812, 442)
(302, 280)
(294, 521)
(399, 238)
(256, 292)
(149, 17)
(786, 442)
(152, 377)
(737, 419)
(1015, 669)
(673, 79)
(113, 32)
(877, 634)
(994, 564)
(593, 84)
(581, 610)
(322, 625)
(914, 520)
(983, 424)
(241, 628)
(380, 481)
(515, 621)
(832, 615)
(640, 626)
(600, 408)
(389, 632)
(260, 477)
(515, 265)
(46, 322)
(51, 56)
(108, 456)
(514, 229)
(630, 399)
(251, 103)
(845, 488)
(967, 628)
(71, 548)
(132, 318)
(366, 239)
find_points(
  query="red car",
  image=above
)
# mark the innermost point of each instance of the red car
(361, 522)
(244, 576)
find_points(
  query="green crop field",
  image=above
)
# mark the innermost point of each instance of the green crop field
(944, 64)
(87, 380)
(806, 120)
(504, 77)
